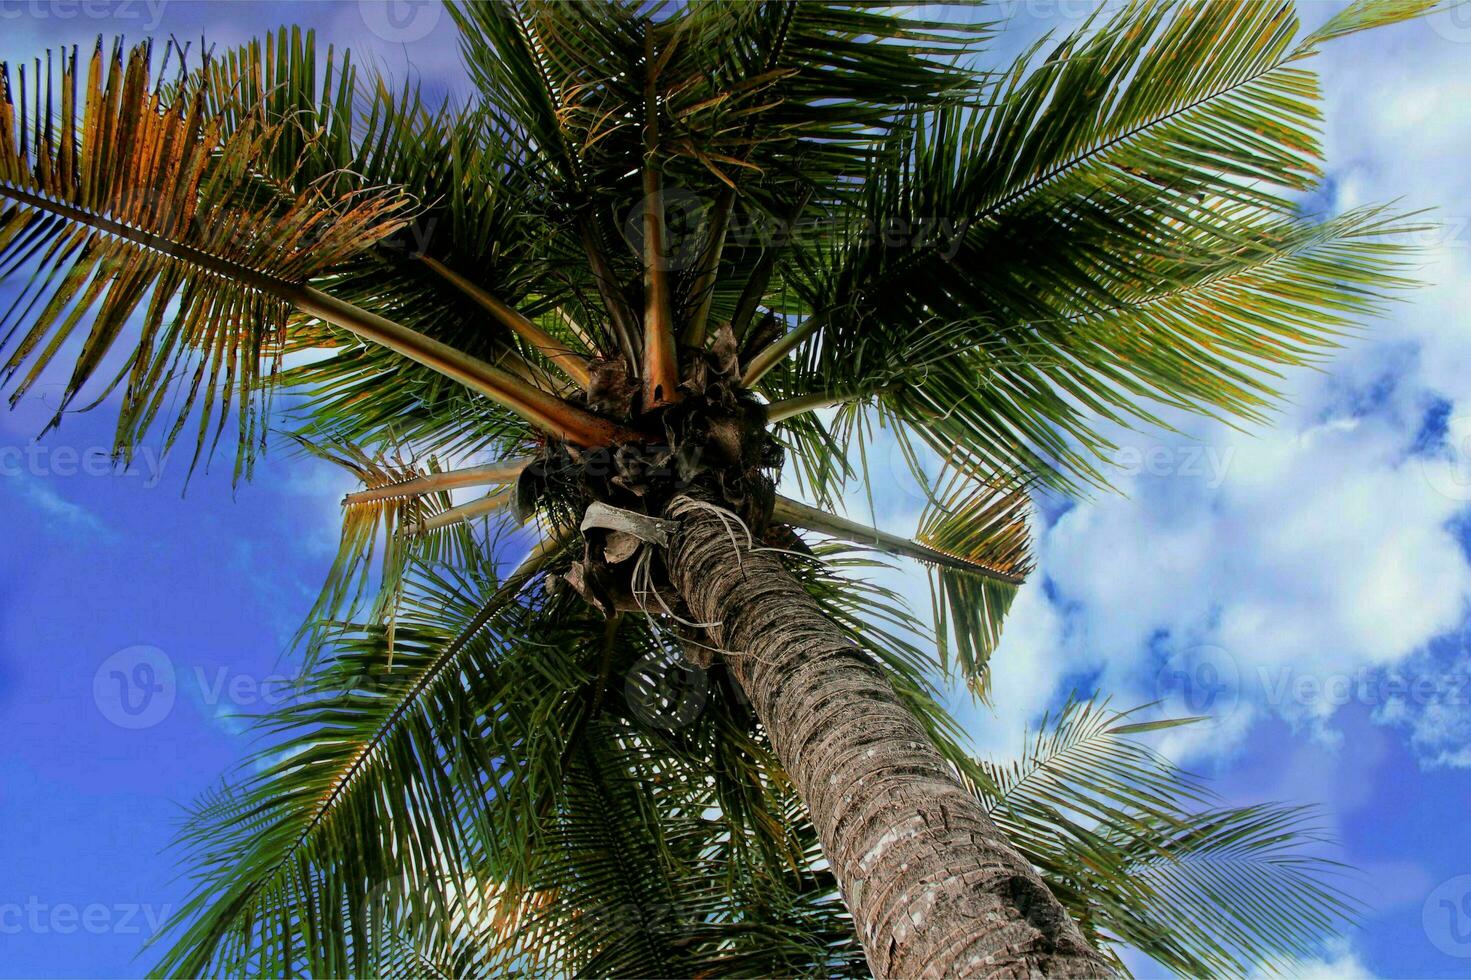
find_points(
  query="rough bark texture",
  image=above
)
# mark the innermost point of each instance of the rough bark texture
(935, 889)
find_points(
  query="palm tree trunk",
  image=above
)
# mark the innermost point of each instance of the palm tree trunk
(934, 887)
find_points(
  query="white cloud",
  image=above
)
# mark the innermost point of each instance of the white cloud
(61, 514)
(1428, 701)
(1324, 553)
(1338, 962)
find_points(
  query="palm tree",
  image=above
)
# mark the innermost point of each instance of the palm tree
(670, 253)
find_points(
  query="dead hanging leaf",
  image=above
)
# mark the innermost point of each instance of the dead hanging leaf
(719, 364)
(528, 488)
(611, 388)
(618, 520)
(582, 581)
(620, 547)
(728, 437)
(766, 330)
(696, 377)
(724, 352)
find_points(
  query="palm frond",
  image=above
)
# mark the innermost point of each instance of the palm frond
(975, 543)
(367, 396)
(114, 208)
(388, 518)
(439, 480)
(91, 198)
(1117, 174)
(323, 836)
(741, 91)
(987, 526)
(1142, 856)
(1233, 891)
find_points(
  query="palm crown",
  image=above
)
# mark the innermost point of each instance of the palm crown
(669, 251)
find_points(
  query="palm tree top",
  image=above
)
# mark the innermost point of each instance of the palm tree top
(667, 249)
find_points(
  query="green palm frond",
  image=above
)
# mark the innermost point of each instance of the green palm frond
(280, 80)
(515, 810)
(745, 89)
(818, 451)
(1232, 891)
(367, 396)
(986, 526)
(1082, 760)
(383, 529)
(641, 883)
(757, 103)
(468, 179)
(975, 543)
(1143, 856)
(322, 834)
(1115, 175)
(634, 878)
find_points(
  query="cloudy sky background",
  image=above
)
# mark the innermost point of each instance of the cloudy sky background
(1306, 583)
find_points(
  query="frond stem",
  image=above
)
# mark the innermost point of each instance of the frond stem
(703, 289)
(661, 363)
(505, 471)
(787, 407)
(789, 511)
(778, 349)
(571, 363)
(464, 512)
(532, 564)
(619, 316)
(548, 412)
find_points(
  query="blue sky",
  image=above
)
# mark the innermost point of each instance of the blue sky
(1306, 582)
